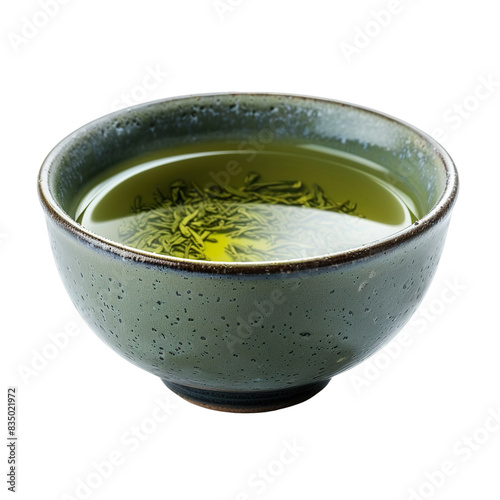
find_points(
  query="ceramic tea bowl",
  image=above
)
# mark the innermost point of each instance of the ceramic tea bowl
(258, 336)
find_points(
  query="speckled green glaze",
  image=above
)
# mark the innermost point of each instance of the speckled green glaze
(247, 330)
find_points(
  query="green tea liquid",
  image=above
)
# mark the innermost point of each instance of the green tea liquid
(219, 203)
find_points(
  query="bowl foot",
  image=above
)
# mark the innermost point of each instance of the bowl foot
(249, 401)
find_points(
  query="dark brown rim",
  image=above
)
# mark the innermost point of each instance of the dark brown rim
(438, 212)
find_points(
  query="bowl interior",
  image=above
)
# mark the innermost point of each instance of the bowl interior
(413, 160)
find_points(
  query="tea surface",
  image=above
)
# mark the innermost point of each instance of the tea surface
(221, 203)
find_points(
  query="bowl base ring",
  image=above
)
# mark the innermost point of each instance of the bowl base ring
(246, 401)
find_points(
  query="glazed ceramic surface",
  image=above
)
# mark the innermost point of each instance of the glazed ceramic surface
(247, 337)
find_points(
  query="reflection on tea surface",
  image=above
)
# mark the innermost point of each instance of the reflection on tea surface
(218, 203)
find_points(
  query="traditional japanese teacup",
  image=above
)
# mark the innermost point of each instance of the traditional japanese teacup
(256, 336)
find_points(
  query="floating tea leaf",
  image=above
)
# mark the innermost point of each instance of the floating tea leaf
(180, 224)
(287, 203)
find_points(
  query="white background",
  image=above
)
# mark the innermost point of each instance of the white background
(378, 431)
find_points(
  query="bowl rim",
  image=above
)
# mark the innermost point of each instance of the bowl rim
(439, 211)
